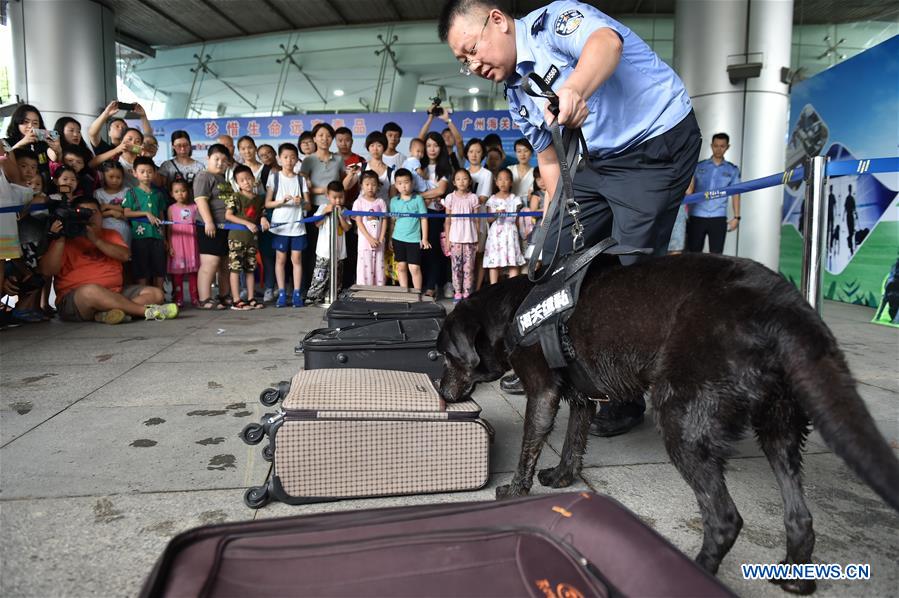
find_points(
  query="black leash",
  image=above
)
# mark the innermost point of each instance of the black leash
(567, 146)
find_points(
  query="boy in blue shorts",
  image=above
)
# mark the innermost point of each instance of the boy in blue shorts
(288, 196)
(409, 235)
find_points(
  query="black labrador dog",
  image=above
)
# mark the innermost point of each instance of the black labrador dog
(716, 345)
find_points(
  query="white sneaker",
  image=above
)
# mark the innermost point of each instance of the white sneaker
(268, 296)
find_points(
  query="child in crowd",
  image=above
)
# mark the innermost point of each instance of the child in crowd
(482, 186)
(27, 161)
(244, 208)
(74, 157)
(318, 290)
(184, 256)
(538, 193)
(111, 196)
(503, 249)
(148, 251)
(410, 234)
(288, 196)
(126, 153)
(372, 231)
(413, 165)
(462, 234)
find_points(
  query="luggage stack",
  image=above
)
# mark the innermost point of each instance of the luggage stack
(568, 544)
(364, 418)
(345, 433)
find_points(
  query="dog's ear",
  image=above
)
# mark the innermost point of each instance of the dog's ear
(461, 337)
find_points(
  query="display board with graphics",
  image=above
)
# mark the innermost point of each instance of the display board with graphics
(848, 112)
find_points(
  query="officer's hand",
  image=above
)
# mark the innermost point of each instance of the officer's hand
(572, 108)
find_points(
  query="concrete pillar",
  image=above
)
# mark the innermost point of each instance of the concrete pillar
(709, 35)
(403, 92)
(765, 129)
(176, 105)
(64, 57)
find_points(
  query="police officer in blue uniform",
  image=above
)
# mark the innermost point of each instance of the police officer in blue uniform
(642, 138)
(708, 218)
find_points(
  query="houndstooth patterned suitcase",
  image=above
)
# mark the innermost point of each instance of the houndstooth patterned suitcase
(351, 433)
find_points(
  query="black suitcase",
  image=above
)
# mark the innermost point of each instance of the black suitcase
(342, 314)
(408, 345)
(560, 545)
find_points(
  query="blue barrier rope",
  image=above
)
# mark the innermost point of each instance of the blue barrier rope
(834, 169)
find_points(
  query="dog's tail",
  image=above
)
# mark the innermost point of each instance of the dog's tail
(817, 371)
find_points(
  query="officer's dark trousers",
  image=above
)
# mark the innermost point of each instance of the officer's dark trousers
(633, 196)
(697, 230)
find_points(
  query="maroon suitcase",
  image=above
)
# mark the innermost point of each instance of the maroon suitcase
(561, 545)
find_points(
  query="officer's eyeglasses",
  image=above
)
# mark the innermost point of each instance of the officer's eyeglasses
(467, 62)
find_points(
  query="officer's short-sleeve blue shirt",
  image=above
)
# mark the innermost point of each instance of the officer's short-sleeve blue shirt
(642, 99)
(711, 176)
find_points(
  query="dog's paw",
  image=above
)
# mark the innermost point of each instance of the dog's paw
(509, 491)
(552, 477)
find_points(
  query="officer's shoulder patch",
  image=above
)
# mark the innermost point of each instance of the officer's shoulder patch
(569, 21)
(539, 24)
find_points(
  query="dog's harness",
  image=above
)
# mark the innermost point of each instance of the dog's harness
(543, 315)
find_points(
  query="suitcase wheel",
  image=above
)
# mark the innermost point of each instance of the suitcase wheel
(268, 453)
(269, 396)
(256, 497)
(252, 433)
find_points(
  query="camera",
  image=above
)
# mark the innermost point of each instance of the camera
(74, 218)
(436, 110)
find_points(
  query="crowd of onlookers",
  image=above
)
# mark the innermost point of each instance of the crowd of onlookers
(116, 234)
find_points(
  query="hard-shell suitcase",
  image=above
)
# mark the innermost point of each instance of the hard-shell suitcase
(385, 289)
(344, 433)
(352, 313)
(560, 545)
(408, 345)
(384, 295)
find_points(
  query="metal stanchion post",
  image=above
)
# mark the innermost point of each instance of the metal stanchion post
(814, 215)
(333, 221)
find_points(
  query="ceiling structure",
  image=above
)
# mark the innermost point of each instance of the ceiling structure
(161, 23)
(243, 57)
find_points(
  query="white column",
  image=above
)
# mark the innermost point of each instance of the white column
(64, 57)
(765, 129)
(176, 105)
(754, 113)
(403, 92)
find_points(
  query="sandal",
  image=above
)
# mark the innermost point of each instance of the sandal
(240, 306)
(208, 304)
(226, 302)
(253, 304)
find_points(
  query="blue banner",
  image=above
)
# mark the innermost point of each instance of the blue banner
(274, 130)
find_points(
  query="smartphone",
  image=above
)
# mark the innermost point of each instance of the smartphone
(126, 106)
(136, 149)
(45, 135)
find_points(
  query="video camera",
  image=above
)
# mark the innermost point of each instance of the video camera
(74, 218)
(436, 110)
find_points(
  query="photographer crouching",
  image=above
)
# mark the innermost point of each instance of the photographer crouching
(86, 260)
